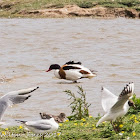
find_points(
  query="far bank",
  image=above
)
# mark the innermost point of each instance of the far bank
(60, 9)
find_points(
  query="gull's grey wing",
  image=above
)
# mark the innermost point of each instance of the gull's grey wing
(3, 107)
(41, 126)
(16, 99)
(6, 101)
(126, 93)
(108, 99)
(18, 96)
(23, 91)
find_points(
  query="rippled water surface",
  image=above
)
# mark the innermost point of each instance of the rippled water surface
(29, 46)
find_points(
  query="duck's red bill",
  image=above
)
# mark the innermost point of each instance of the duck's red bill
(48, 70)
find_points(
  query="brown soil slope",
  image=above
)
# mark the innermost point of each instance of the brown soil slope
(73, 10)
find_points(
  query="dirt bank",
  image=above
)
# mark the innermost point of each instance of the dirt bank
(75, 11)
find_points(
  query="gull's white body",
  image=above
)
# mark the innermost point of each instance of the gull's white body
(42, 126)
(112, 116)
(113, 106)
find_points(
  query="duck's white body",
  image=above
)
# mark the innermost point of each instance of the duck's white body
(73, 74)
(114, 106)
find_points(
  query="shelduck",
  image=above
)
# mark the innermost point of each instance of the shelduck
(71, 71)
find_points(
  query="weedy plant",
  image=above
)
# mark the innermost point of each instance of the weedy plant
(79, 105)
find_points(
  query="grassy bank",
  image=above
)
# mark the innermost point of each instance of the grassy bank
(84, 129)
(82, 126)
(14, 8)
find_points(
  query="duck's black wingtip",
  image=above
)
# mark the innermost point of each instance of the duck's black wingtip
(72, 62)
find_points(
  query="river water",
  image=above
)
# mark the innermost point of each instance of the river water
(29, 46)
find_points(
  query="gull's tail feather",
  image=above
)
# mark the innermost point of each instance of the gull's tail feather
(21, 121)
(101, 120)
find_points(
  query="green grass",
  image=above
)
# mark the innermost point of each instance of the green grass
(14, 7)
(37, 4)
(84, 129)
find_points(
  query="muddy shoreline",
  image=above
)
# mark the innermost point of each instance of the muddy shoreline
(75, 11)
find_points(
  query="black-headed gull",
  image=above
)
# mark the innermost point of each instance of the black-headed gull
(60, 118)
(43, 126)
(14, 97)
(114, 106)
(71, 71)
